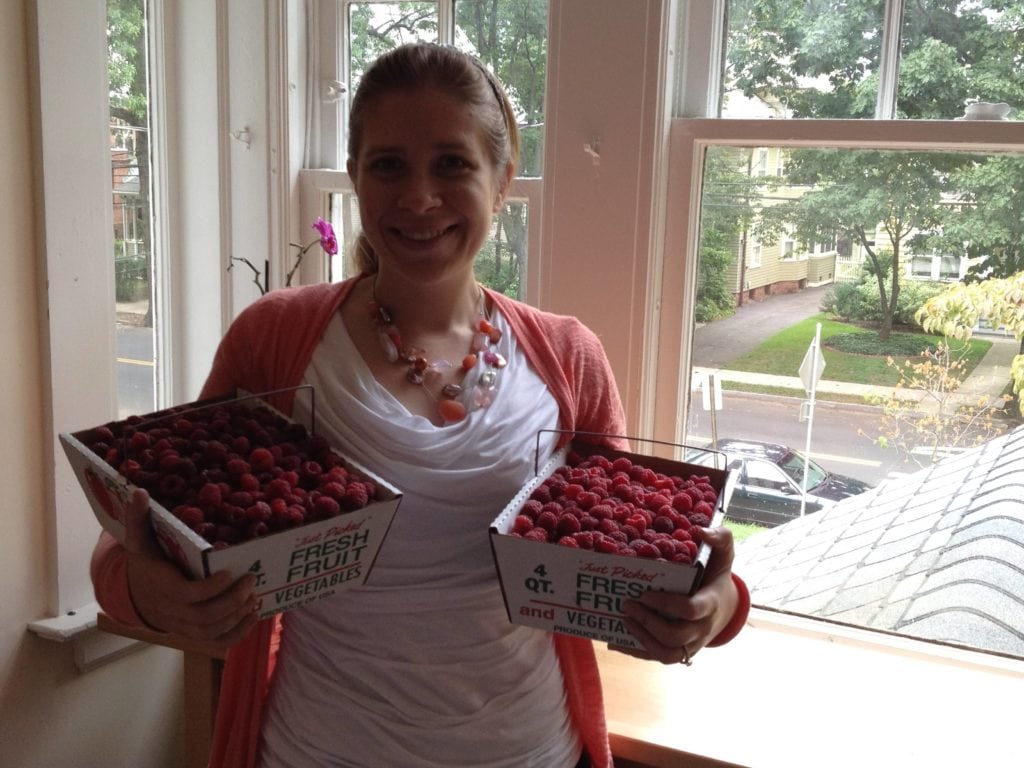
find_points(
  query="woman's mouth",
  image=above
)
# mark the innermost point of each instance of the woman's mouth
(423, 235)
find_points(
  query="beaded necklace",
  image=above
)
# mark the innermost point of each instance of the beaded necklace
(451, 405)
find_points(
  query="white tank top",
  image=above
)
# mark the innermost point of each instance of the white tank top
(420, 666)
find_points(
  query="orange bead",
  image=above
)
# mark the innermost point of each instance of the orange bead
(469, 362)
(451, 411)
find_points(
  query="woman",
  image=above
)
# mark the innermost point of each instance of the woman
(440, 386)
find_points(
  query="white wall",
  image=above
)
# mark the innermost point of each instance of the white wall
(126, 713)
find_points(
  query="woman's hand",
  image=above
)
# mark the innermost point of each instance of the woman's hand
(673, 627)
(218, 609)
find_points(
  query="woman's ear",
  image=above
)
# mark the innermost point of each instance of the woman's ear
(504, 183)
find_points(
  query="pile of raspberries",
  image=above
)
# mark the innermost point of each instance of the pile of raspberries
(232, 471)
(619, 507)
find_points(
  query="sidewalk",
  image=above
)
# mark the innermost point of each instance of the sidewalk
(989, 378)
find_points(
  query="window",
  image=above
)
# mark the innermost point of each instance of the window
(136, 270)
(879, 195)
(508, 37)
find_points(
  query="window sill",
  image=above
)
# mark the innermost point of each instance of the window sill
(92, 648)
(790, 691)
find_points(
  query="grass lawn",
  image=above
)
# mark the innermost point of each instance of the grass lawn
(782, 354)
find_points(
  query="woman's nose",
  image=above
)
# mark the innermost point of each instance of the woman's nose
(419, 193)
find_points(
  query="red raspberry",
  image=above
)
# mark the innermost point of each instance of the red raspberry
(622, 464)
(585, 539)
(700, 520)
(139, 441)
(568, 541)
(607, 545)
(541, 493)
(522, 524)
(547, 520)
(682, 534)
(258, 512)
(209, 494)
(682, 502)
(645, 549)
(249, 482)
(325, 506)
(625, 550)
(703, 508)
(631, 532)
(663, 524)
(668, 547)
(189, 515)
(637, 521)
(356, 497)
(215, 451)
(261, 459)
(531, 508)
(682, 557)
(601, 511)
(568, 524)
(278, 488)
(238, 466)
(536, 534)
(572, 490)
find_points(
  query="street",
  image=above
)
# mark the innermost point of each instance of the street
(135, 370)
(841, 438)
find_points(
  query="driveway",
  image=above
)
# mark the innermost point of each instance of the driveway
(719, 343)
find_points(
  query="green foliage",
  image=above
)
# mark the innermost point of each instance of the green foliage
(864, 343)
(858, 301)
(782, 354)
(131, 278)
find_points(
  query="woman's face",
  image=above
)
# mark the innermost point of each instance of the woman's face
(427, 187)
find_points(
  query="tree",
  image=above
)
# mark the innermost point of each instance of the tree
(957, 312)
(129, 105)
(854, 194)
(726, 209)
(820, 59)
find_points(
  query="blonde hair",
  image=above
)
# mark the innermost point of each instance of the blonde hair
(417, 66)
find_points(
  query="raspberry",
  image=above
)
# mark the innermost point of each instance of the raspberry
(547, 520)
(522, 524)
(190, 515)
(536, 534)
(622, 464)
(645, 549)
(682, 502)
(585, 539)
(256, 529)
(682, 534)
(238, 466)
(568, 525)
(568, 541)
(259, 512)
(278, 488)
(541, 493)
(601, 511)
(261, 459)
(700, 520)
(209, 494)
(249, 482)
(356, 497)
(626, 551)
(703, 508)
(663, 524)
(607, 545)
(325, 506)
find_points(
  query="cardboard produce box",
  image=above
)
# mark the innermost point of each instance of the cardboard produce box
(296, 561)
(579, 591)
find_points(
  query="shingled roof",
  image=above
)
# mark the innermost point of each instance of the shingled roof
(938, 554)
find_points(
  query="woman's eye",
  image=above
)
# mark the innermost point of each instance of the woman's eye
(385, 164)
(453, 162)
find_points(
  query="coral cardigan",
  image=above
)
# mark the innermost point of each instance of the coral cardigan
(268, 348)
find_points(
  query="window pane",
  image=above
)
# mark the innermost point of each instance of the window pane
(132, 207)
(886, 405)
(824, 59)
(500, 264)
(511, 38)
(375, 28)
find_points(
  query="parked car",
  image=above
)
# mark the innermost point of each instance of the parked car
(769, 479)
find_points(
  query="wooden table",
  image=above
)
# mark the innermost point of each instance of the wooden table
(648, 710)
